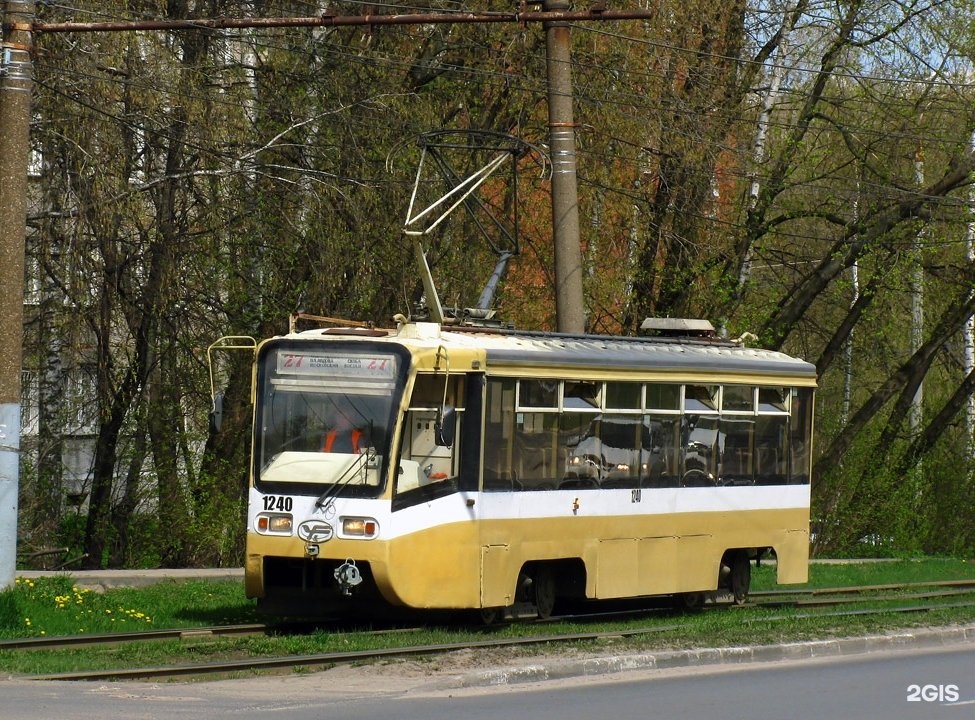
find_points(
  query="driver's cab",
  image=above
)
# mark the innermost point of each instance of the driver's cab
(430, 454)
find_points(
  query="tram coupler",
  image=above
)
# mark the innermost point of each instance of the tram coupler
(347, 575)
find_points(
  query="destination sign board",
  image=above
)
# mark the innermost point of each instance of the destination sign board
(308, 364)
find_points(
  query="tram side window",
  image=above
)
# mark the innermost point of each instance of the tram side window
(535, 453)
(662, 396)
(701, 398)
(541, 434)
(625, 395)
(626, 444)
(579, 448)
(435, 463)
(736, 433)
(579, 443)
(773, 400)
(738, 399)
(534, 457)
(581, 396)
(800, 436)
(699, 435)
(538, 394)
(737, 452)
(661, 460)
(771, 443)
(499, 433)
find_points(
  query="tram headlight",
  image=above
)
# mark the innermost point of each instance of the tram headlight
(361, 527)
(274, 524)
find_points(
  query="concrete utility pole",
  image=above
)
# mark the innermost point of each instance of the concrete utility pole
(570, 311)
(15, 89)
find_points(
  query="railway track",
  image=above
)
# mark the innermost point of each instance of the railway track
(860, 589)
(818, 598)
(70, 641)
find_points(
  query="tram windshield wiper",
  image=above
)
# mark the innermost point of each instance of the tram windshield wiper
(328, 497)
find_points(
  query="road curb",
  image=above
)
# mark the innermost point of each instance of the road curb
(737, 655)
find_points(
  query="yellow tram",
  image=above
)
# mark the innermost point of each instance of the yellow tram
(501, 471)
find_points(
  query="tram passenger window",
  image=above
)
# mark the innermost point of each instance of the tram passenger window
(538, 394)
(499, 434)
(735, 441)
(738, 398)
(800, 432)
(663, 397)
(577, 430)
(581, 396)
(584, 466)
(624, 396)
(661, 459)
(535, 453)
(699, 434)
(622, 439)
(773, 400)
(701, 398)
(771, 442)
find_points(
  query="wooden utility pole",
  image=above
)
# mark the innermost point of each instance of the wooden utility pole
(15, 89)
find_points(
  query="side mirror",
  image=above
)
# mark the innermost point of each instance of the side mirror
(443, 428)
(216, 414)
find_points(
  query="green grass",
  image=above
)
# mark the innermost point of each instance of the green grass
(55, 606)
(881, 572)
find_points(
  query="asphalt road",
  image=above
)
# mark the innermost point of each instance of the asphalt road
(890, 685)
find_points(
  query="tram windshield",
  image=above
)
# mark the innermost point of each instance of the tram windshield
(324, 418)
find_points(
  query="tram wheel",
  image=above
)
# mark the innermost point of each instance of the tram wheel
(491, 616)
(740, 576)
(689, 600)
(543, 587)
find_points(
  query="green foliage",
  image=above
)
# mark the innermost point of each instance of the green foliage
(865, 509)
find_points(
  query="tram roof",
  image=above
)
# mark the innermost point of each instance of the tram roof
(624, 353)
(611, 352)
